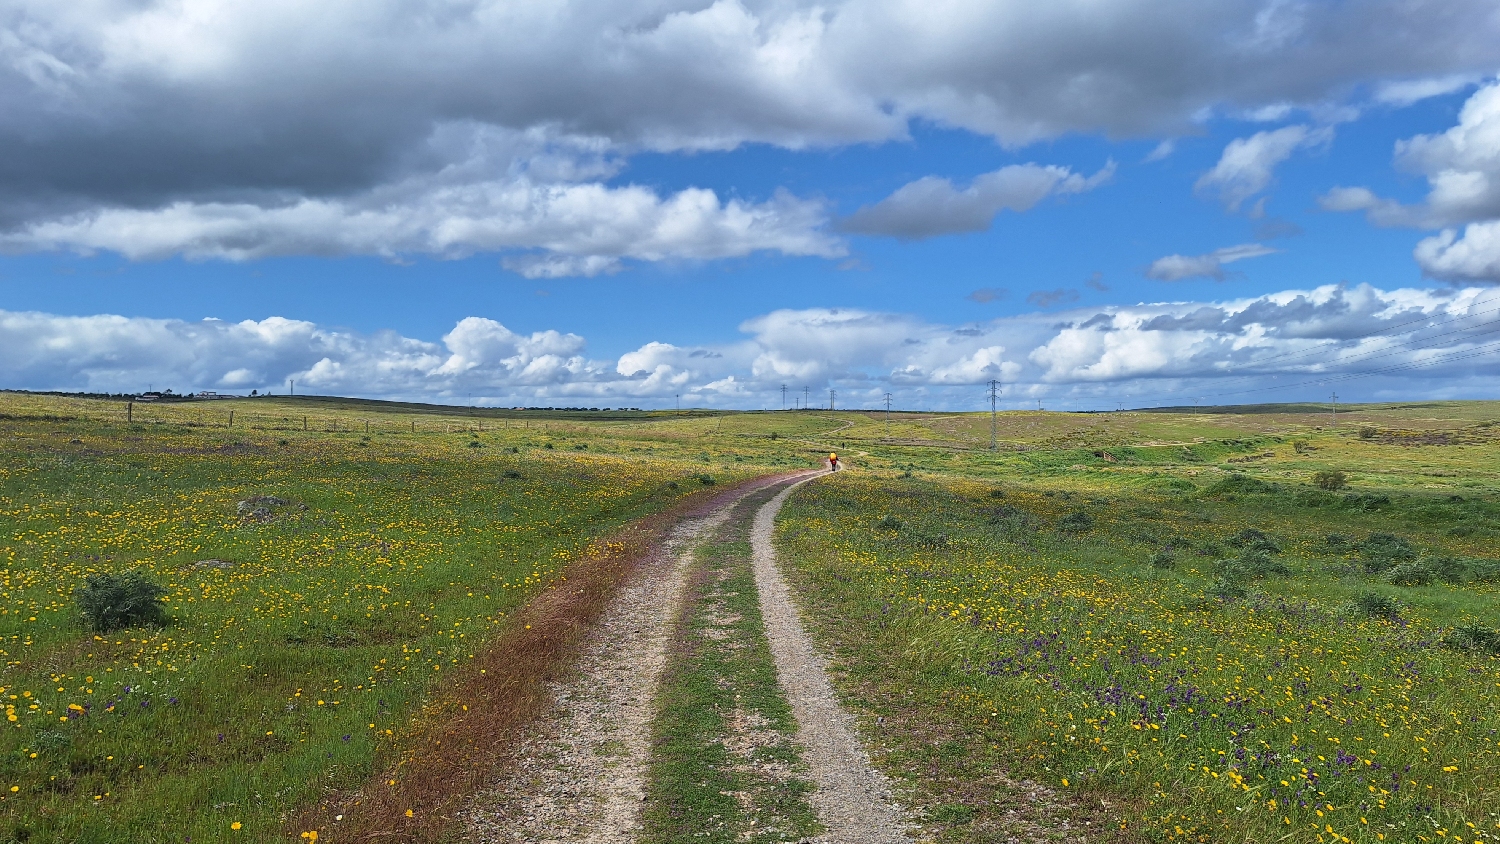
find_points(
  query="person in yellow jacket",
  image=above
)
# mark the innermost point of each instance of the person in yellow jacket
(833, 462)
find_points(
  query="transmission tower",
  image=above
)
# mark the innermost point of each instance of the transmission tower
(1335, 409)
(783, 397)
(807, 398)
(887, 415)
(994, 413)
(832, 394)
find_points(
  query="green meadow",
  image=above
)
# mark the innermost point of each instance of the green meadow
(1157, 618)
(1163, 621)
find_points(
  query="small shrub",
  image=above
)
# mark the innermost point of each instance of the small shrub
(1412, 573)
(546, 445)
(707, 480)
(1366, 502)
(1330, 479)
(1376, 605)
(1301, 446)
(512, 473)
(112, 601)
(1076, 522)
(997, 493)
(671, 484)
(1163, 560)
(1227, 588)
(475, 444)
(1252, 563)
(1238, 484)
(1254, 540)
(889, 523)
(1483, 571)
(1337, 542)
(1474, 637)
(1448, 568)
(1383, 551)
(1367, 433)
(938, 541)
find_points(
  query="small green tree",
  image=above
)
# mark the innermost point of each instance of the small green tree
(111, 601)
(1330, 479)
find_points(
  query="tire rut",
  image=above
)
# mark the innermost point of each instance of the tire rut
(852, 799)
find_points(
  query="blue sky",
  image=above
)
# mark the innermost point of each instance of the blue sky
(739, 195)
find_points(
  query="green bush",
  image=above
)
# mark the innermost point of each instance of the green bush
(1473, 637)
(1449, 569)
(1163, 560)
(1238, 484)
(1330, 479)
(1483, 571)
(1365, 501)
(1383, 551)
(1411, 573)
(1251, 563)
(1076, 522)
(112, 601)
(888, 523)
(707, 480)
(1254, 540)
(1376, 605)
(1227, 588)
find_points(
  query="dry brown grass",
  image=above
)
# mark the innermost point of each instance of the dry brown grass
(461, 740)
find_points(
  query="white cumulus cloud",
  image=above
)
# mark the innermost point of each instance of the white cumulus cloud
(1462, 168)
(1436, 340)
(1248, 165)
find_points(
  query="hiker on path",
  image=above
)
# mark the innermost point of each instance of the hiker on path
(833, 462)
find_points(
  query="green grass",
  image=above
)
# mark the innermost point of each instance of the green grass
(1072, 658)
(724, 766)
(299, 649)
(425, 527)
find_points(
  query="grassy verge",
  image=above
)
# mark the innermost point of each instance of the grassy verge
(1100, 656)
(724, 765)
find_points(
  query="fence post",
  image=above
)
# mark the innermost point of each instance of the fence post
(304, 423)
(231, 419)
(129, 411)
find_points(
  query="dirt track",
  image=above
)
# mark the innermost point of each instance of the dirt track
(580, 771)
